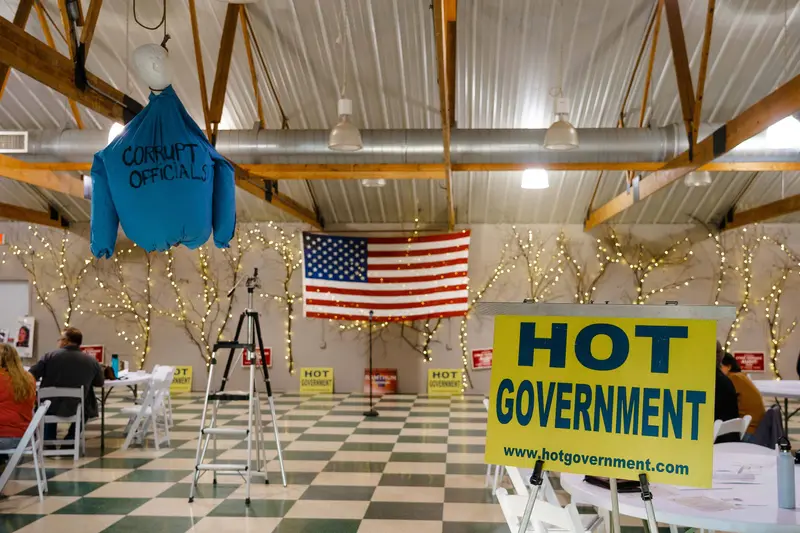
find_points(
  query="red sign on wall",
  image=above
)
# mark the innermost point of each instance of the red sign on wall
(482, 359)
(750, 361)
(384, 381)
(97, 351)
(267, 356)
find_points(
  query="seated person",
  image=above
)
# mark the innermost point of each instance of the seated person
(725, 403)
(749, 399)
(17, 397)
(71, 368)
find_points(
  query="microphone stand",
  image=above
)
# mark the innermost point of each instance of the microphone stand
(372, 411)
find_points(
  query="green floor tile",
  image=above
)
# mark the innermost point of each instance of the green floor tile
(420, 439)
(466, 469)
(426, 425)
(377, 431)
(412, 480)
(410, 457)
(300, 455)
(155, 475)
(257, 508)
(127, 463)
(292, 478)
(293, 416)
(29, 474)
(267, 444)
(466, 448)
(310, 525)
(188, 454)
(354, 466)
(404, 511)
(103, 506)
(321, 437)
(152, 524)
(467, 433)
(325, 424)
(473, 527)
(330, 492)
(456, 495)
(425, 414)
(13, 522)
(65, 488)
(203, 490)
(367, 447)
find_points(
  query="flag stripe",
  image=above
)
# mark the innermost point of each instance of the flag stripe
(383, 293)
(384, 316)
(460, 241)
(418, 252)
(416, 260)
(418, 266)
(419, 238)
(344, 299)
(386, 306)
(390, 277)
(388, 285)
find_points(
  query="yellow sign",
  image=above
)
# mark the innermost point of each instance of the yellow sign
(444, 381)
(316, 381)
(181, 380)
(611, 397)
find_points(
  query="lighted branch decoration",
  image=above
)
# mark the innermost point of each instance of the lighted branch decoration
(205, 316)
(586, 281)
(56, 269)
(643, 262)
(776, 331)
(126, 299)
(287, 246)
(742, 269)
(543, 270)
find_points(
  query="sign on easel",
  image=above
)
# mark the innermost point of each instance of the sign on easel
(316, 381)
(181, 380)
(444, 381)
(604, 395)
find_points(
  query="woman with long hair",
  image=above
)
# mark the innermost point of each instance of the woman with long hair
(17, 397)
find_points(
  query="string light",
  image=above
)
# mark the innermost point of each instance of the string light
(745, 272)
(772, 305)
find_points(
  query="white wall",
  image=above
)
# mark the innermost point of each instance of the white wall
(320, 343)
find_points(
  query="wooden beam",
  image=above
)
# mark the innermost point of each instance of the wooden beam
(681, 61)
(48, 37)
(223, 63)
(201, 71)
(440, 32)
(69, 28)
(782, 102)
(761, 213)
(451, 10)
(14, 169)
(33, 58)
(629, 87)
(651, 61)
(21, 17)
(89, 25)
(430, 171)
(244, 16)
(701, 76)
(23, 214)
(286, 204)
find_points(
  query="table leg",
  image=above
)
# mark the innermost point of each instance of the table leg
(786, 417)
(102, 422)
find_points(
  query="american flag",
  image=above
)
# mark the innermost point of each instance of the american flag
(399, 278)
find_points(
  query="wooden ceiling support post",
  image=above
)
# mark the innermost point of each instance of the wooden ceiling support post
(441, 9)
(681, 61)
(243, 16)
(651, 61)
(21, 17)
(31, 216)
(201, 71)
(89, 25)
(223, 67)
(785, 206)
(701, 75)
(784, 101)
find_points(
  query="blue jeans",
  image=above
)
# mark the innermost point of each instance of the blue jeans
(8, 443)
(749, 438)
(50, 432)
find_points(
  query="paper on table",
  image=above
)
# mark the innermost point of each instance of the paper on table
(703, 503)
(745, 478)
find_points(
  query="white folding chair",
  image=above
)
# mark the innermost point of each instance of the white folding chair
(545, 518)
(168, 396)
(498, 469)
(79, 441)
(31, 444)
(736, 425)
(151, 412)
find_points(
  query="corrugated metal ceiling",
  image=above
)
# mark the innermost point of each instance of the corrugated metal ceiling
(507, 67)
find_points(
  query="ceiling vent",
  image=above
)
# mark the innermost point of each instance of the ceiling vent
(13, 142)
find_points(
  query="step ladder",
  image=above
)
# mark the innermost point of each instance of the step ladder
(254, 432)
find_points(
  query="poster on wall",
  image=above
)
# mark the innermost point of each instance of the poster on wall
(750, 361)
(181, 380)
(384, 381)
(267, 356)
(24, 339)
(482, 359)
(98, 351)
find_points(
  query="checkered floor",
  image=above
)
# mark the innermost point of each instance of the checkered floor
(418, 467)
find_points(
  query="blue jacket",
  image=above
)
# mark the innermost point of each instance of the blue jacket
(163, 182)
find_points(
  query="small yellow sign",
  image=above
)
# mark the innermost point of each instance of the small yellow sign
(316, 381)
(181, 380)
(444, 381)
(613, 397)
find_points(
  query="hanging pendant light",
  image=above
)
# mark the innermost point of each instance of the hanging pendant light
(535, 178)
(697, 179)
(373, 182)
(561, 135)
(345, 136)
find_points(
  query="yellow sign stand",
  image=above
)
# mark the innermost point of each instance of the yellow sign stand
(444, 381)
(181, 380)
(604, 396)
(316, 381)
